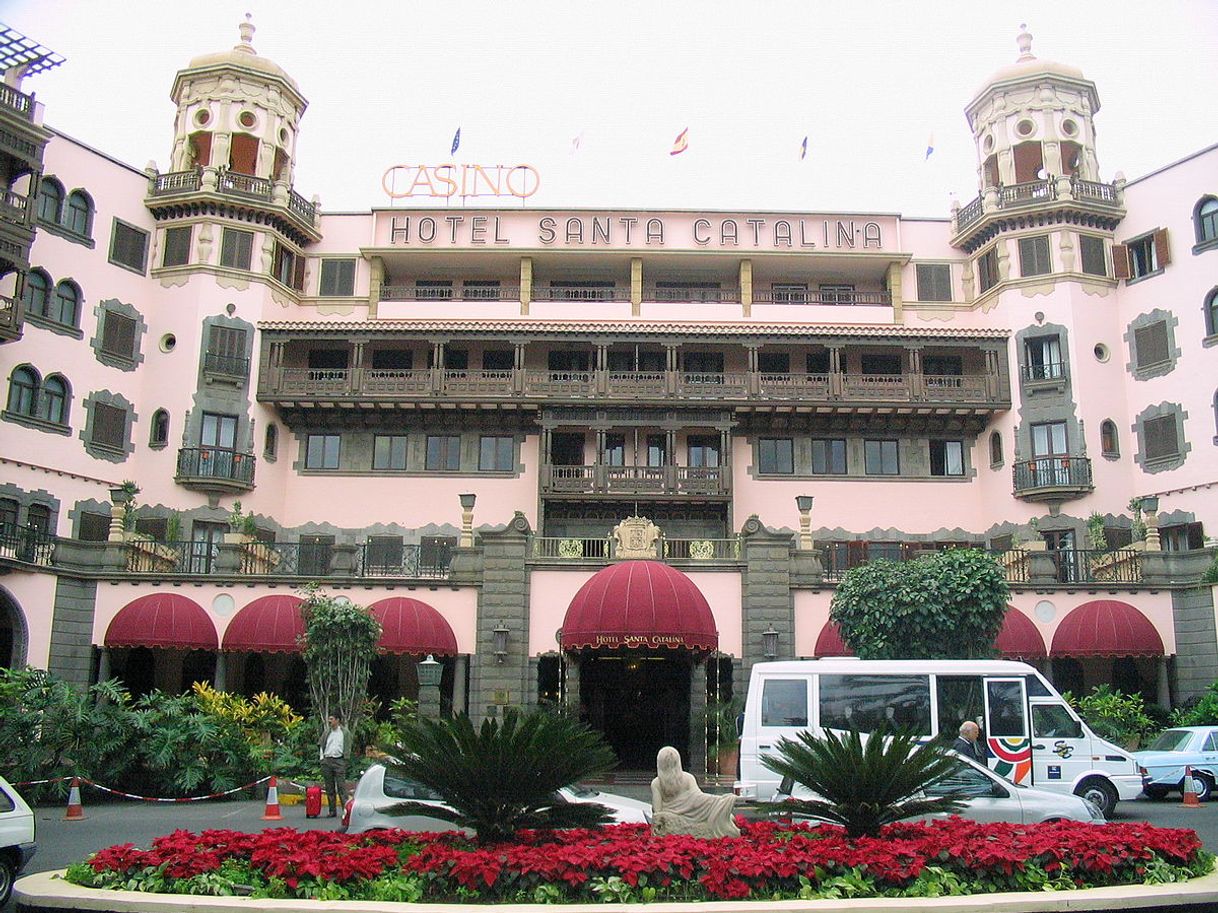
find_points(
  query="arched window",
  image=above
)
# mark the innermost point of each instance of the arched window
(53, 400)
(158, 435)
(78, 216)
(1205, 220)
(1211, 313)
(50, 200)
(23, 390)
(1109, 445)
(995, 449)
(37, 292)
(271, 443)
(65, 306)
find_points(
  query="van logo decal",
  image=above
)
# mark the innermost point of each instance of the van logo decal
(1013, 757)
(1062, 750)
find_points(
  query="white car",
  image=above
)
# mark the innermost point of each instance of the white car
(17, 844)
(1164, 760)
(990, 797)
(380, 788)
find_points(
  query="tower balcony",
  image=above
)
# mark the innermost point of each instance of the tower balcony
(1059, 199)
(1053, 478)
(215, 469)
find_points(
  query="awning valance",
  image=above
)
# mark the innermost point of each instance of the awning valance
(639, 604)
(412, 626)
(269, 624)
(170, 621)
(1019, 638)
(1106, 627)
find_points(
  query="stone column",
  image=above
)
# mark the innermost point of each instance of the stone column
(1163, 695)
(460, 670)
(894, 290)
(526, 284)
(501, 681)
(697, 717)
(766, 598)
(221, 671)
(570, 687)
(746, 288)
(636, 286)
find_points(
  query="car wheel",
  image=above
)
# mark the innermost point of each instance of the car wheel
(6, 879)
(1101, 792)
(1155, 792)
(1204, 786)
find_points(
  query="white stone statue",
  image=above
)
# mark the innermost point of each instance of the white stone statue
(678, 806)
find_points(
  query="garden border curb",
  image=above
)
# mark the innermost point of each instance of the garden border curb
(48, 891)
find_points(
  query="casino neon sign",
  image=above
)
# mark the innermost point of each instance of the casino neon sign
(451, 180)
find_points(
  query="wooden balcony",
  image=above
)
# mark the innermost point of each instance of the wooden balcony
(599, 479)
(1053, 478)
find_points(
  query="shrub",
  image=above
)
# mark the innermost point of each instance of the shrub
(1120, 718)
(1202, 711)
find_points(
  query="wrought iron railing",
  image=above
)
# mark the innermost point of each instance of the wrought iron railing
(602, 548)
(1091, 566)
(604, 478)
(580, 293)
(27, 544)
(970, 213)
(412, 292)
(216, 463)
(228, 365)
(1053, 370)
(146, 555)
(708, 295)
(1052, 472)
(380, 559)
(817, 296)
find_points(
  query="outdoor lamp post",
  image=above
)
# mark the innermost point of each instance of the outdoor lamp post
(501, 640)
(467, 519)
(804, 504)
(1150, 507)
(430, 671)
(769, 641)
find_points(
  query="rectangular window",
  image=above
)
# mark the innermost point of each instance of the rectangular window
(934, 282)
(880, 363)
(1142, 259)
(435, 554)
(942, 365)
(93, 527)
(177, 246)
(383, 555)
(789, 292)
(236, 248)
(868, 702)
(118, 335)
(1151, 344)
(1091, 250)
(498, 360)
(1049, 439)
(776, 456)
(784, 702)
(567, 362)
(315, 555)
(615, 450)
(1034, 256)
(774, 362)
(480, 289)
(880, 458)
(389, 451)
(443, 453)
(947, 458)
(109, 426)
(703, 450)
(829, 456)
(657, 450)
(289, 267)
(1182, 538)
(818, 362)
(226, 352)
(1043, 358)
(129, 246)
(496, 454)
(987, 269)
(218, 431)
(433, 289)
(337, 278)
(1160, 436)
(323, 451)
(836, 294)
(154, 527)
(392, 360)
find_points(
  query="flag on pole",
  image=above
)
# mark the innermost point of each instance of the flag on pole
(681, 143)
(803, 149)
(930, 146)
(456, 142)
(577, 142)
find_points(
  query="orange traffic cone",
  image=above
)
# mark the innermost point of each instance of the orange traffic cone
(76, 811)
(1190, 789)
(272, 802)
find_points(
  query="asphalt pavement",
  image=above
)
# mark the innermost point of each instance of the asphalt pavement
(61, 842)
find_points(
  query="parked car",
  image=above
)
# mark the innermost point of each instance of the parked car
(380, 788)
(1162, 763)
(990, 797)
(17, 844)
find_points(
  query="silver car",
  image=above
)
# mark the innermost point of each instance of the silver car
(990, 797)
(380, 788)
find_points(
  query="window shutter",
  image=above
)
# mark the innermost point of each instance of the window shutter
(118, 335)
(1151, 343)
(1162, 249)
(298, 274)
(109, 426)
(1161, 438)
(1120, 261)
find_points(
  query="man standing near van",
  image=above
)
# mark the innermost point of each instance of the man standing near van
(968, 743)
(335, 751)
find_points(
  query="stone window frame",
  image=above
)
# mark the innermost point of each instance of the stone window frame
(101, 451)
(997, 454)
(86, 506)
(26, 499)
(58, 226)
(123, 309)
(1200, 223)
(35, 418)
(1030, 247)
(155, 442)
(1183, 447)
(1142, 321)
(39, 318)
(1113, 452)
(168, 248)
(1209, 313)
(334, 273)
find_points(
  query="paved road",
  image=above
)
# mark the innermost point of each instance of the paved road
(62, 842)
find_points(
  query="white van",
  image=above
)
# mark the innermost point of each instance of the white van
(1032, 736)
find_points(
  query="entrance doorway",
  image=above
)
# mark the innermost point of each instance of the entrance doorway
(638, 700)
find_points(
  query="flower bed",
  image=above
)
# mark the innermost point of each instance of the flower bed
(627, 863)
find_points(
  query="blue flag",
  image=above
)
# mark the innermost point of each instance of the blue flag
(803, 149)
(930, 146)
(456, 142)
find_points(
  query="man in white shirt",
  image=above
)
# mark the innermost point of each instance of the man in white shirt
(335, 749)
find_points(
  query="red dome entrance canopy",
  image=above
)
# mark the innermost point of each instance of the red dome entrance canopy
(1106, 627)
(640, 604)
(269, 624)
(412, 626)
(830, 642)
(1019, 638)
(166, 620)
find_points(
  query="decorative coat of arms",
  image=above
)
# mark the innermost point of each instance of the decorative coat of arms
(635, 537)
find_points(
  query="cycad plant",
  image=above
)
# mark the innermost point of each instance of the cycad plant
(864, 784)
(504, 775)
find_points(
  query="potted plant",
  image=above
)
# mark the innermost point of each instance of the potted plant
(722, 739)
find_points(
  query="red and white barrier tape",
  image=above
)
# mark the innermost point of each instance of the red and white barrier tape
(120, 793)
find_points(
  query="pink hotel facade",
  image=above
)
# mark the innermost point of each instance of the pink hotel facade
(451, 414)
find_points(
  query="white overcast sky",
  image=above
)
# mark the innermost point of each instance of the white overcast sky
(867, 82)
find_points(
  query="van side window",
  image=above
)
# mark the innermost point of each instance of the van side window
(1053, 721)
(1006, 716)
(867, 702)
(1037, 688)
(784, 702)
(959, 698)
(6, 802)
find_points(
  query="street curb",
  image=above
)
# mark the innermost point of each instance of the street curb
(47, 891)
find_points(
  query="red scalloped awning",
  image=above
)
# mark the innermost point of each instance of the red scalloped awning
(830, 642)
(1106, 627)
(269, 624)
(639, 604)
(412, 626)
(170, 621)
(1019, 638)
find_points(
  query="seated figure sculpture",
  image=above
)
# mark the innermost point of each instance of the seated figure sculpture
(678, 806)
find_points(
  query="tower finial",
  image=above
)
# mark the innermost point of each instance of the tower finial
(1024, 40)
(247, 30)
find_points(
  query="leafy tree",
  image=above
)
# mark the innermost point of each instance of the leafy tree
(864, 785)
(339, 645)
(503, 776)
(1120, 718)
(948, 605)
